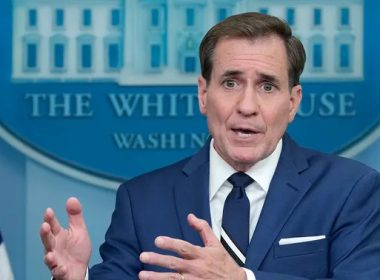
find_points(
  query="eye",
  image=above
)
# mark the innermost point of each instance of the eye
(268, 87)
(230, 83)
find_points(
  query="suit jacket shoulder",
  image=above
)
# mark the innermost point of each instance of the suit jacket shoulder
(315, 194)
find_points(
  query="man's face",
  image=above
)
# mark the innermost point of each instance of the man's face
(247, 100)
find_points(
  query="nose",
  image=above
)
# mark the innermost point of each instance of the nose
(248, 104)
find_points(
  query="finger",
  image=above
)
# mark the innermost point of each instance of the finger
(181, 247)
(50, 260)
(151, 275)
(51, 219)
(59, 272)
(203, 228)
(56, 270)
(47, 237)
(74, 212)
(170, 262)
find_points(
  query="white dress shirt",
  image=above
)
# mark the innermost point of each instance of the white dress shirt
(219, 188)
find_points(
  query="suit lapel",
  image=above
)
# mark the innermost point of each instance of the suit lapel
(191, 193)
(285, 192)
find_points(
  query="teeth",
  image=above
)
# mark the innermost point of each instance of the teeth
(244, 133)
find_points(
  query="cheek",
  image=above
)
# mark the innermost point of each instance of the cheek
(216, 109)
(217, 120)
(278, 119)
(214, 116)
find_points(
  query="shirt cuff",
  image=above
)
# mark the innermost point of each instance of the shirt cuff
(249, 273)
(86, 278)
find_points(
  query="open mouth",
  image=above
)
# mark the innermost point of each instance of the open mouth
(243, 132)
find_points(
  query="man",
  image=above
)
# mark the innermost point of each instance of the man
(310, 215)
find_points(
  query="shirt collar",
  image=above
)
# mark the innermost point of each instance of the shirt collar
(262, 172)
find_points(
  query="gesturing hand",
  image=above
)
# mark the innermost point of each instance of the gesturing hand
(209, 262)
(67, 251)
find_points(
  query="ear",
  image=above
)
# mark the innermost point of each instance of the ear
(202, 95)
(295, 101)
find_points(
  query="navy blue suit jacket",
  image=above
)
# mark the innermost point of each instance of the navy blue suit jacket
(310, 194)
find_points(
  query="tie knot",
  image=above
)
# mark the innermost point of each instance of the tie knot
(240, 180)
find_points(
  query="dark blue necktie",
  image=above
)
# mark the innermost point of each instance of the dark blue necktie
(235, 221)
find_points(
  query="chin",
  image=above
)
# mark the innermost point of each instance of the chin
(244, 161)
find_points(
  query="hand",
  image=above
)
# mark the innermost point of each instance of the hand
(209, 262)
(67, 251)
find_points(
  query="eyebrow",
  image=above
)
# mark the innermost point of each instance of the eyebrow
(261, 76)
(268, 78)
(231, 73)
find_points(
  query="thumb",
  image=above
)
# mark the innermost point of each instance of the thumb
(74, 212)
(203, 228)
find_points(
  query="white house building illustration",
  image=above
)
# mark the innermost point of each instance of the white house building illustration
(155, 42)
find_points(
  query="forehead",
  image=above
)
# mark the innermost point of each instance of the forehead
(266, 54)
